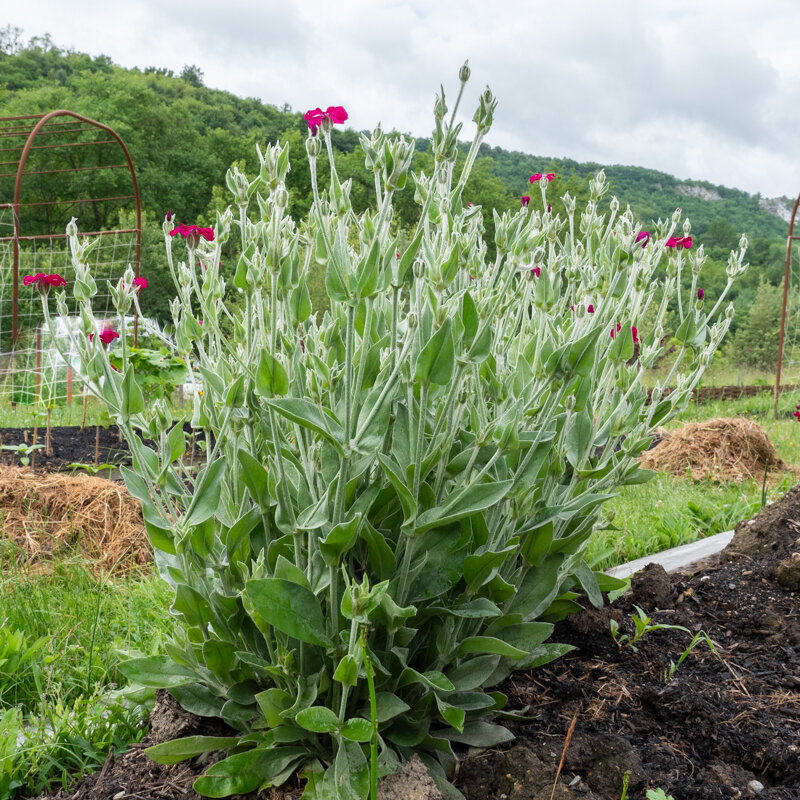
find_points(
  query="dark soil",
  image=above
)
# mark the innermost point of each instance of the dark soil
(725, 727)
(71, 445)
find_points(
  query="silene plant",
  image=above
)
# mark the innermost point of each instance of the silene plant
(399, 489)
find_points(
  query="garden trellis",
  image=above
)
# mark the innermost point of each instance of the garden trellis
(54, 167)
(796, 324)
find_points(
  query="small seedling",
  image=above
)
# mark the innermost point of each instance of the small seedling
(91, 469)
(642, 626)
(658, 794)
(24, 451)
(700, 636)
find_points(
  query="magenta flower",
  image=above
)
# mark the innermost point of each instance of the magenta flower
(525, 200)
(537, 271)
(169, 216)
(700, 294)
(635, 333)
(537, 176)
(550, 176)
(42, 281)
(140, 283)
(107, 335)
(193, 233)
(336, 115)
(619, 327)
(643, 237)
(590, 308)
(679, 242)
(470, 204)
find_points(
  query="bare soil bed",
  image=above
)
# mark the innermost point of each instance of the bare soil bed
(726, 728)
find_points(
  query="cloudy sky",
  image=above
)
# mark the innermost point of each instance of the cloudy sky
(705, 89)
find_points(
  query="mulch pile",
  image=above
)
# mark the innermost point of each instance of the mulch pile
(725, 448)
(45, 513)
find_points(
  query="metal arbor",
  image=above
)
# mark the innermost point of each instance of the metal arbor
(791, 237)
(55, 166)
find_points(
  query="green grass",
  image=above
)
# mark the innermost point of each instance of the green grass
(669, 511)
(61, 636)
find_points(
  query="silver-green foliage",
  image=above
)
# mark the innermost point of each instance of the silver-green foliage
(399, 492)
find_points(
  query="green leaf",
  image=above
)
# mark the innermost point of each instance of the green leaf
(271, 377)
(538, 588)
(347, 671)
(197, 699)
(469, 318)
(176, 442)
(479, 568)
(292, 609)
(158, 672)
(389, 706)
(436, 360)
(488, 644)
(190, 746)
(273, 702)
(207, 489)
(285, 570)
(432, 679)
(381, 556)
(452, 715)
(307, 415)
(357, 729)
(622, 346)
(340, 539)
(472, 673)
(245, 772)
(393, 472)
(318, 719)
(254, 476)
(687, 330)
(480, 734)
(544, 654)
(579, 438)
(132, 397)
(300, 303)
(589, 583)
(368, 270)
(462, 504)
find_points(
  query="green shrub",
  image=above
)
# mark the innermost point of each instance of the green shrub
(399, 492)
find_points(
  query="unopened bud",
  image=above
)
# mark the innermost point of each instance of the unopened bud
(411, 320)
(676, 216)
(464, 72)
(687, 227)
(281, 197)
(419, 268)
(313, 147)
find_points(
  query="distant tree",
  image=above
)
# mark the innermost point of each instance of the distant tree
(192, 75)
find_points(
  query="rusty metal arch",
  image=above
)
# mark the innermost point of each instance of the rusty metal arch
(791, 237)
(43, 120)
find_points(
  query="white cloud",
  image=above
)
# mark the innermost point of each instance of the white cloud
(709, 91)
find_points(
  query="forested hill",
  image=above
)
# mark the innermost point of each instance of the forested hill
(183, 136)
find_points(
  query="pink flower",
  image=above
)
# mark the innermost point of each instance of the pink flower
(537, 176)
(169, 216)
(193, 233)
(525, 200)
(572, 308)
(549, 208)
(635, 333)
(643, 237)
(336, 115)
(590, 308)
(550, 176)
(537, 271)
(469, 205)
(679, 242)
(700, 294)
(107, 335)
(303, 345)
(42, 281)
(140, 283)
(617, 331)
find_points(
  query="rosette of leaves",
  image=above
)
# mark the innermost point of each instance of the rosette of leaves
(398, 492)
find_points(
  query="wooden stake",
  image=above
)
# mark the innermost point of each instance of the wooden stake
(564, 751)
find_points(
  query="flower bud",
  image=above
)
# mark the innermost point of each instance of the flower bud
(464, 72)
(411, 320)
(313, 147)
(676, 216)
(729, 311)
(281, 197)
(687, 227)
(419, 268)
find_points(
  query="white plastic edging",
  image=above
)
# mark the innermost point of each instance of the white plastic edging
(677, 557)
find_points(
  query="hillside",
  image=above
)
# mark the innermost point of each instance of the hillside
(183, 136)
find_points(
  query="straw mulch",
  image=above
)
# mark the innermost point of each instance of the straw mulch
(726, 449)
(45, 514)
